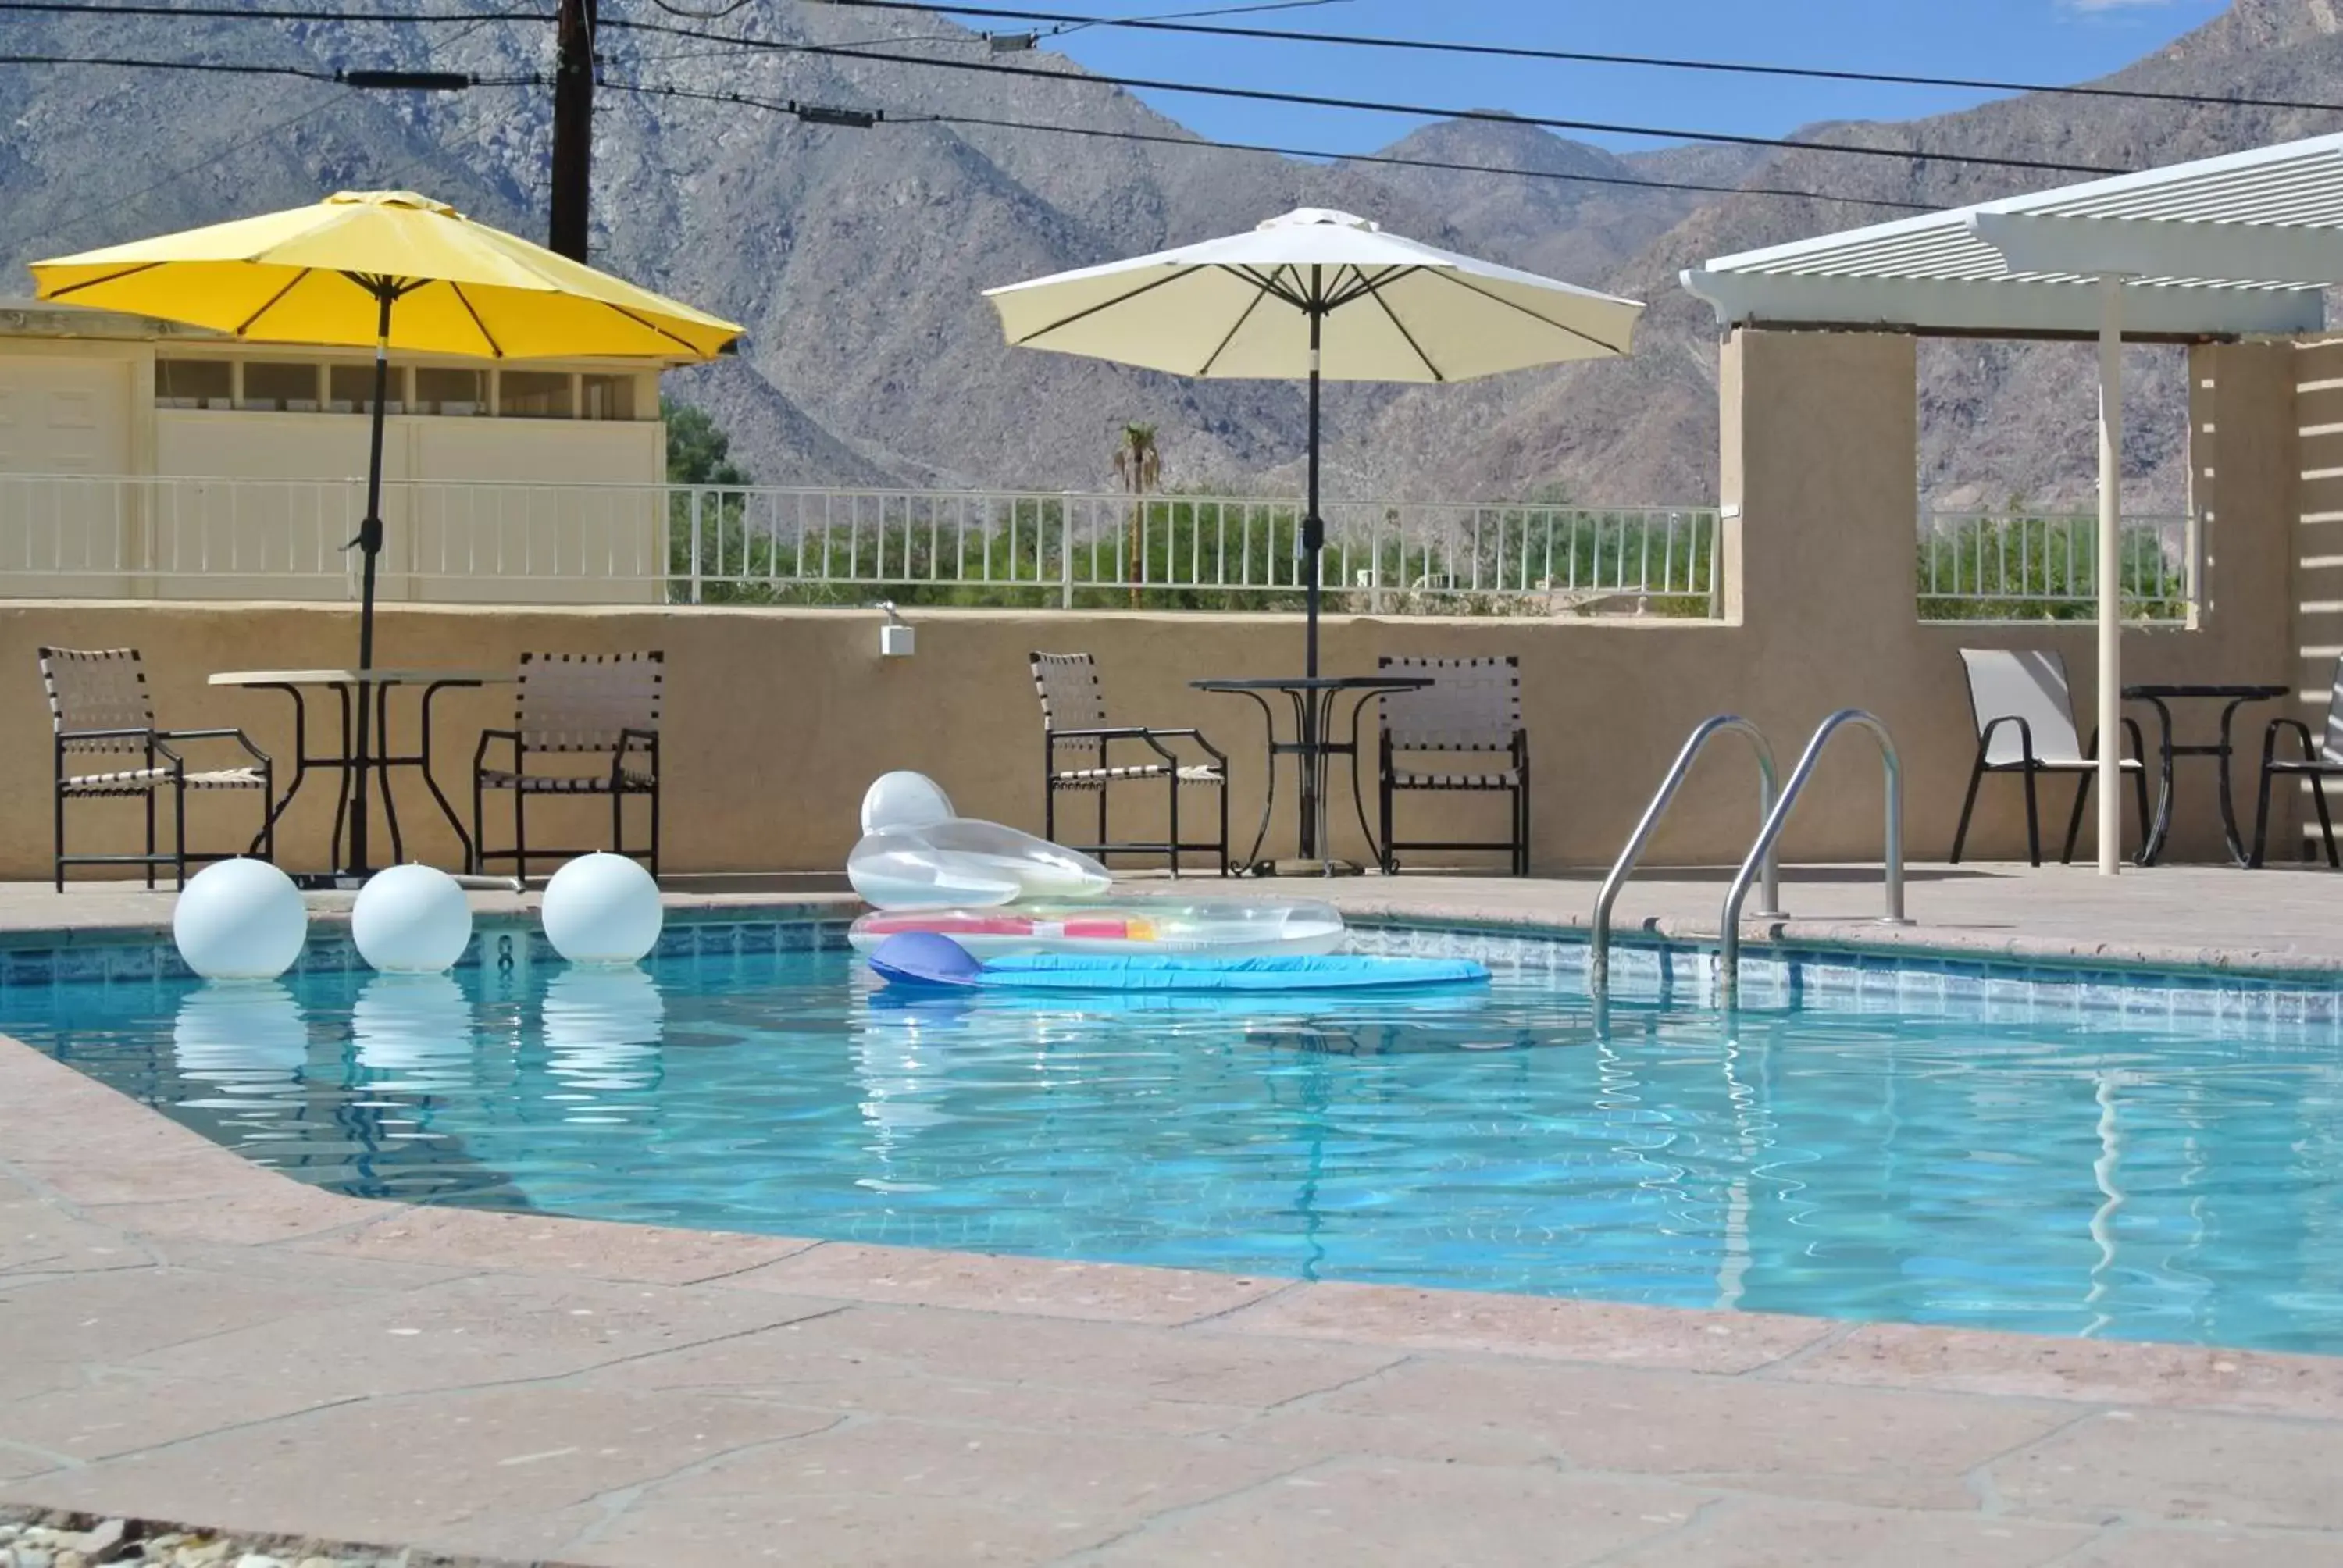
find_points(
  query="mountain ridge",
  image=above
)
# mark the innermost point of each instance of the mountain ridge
(858, 258)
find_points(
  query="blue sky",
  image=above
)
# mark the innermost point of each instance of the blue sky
(2023, 40)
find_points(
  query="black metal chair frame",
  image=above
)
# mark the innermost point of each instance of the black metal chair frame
(157, 747)
(1517, 845)
(158, 750)
(1054, 779)
(2031, 766)
(2310, 765)
(628, 743)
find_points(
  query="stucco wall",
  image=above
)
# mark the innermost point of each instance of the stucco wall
(777, 720)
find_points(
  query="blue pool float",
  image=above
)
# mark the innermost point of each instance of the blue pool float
(924, 958)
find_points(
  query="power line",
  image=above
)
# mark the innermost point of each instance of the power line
(749, 101)
(1581, 57)
(249, 14)
(1313, 100)
(442, 81)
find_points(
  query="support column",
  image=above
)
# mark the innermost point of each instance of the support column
(2110, 783)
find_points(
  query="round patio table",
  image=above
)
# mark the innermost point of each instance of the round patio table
(2161, 698)
(343, 683)
(1312, 698)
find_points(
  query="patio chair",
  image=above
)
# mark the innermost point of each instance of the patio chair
(1075, 728)
(574, 708)
(2024, 717)
(1474, 706)
(108, 745)
(2318, 763)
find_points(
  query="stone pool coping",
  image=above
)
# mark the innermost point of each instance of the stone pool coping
(192, 1336)
(1955, 924)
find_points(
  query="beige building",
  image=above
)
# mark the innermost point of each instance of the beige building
(139, 458)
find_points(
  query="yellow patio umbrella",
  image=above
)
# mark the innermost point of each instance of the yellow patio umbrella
(397, 270)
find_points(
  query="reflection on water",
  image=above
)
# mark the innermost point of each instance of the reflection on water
(601, 1033)
(412, 1034)
(246, 1037)
(897, 1058)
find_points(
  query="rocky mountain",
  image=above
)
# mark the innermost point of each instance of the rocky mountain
(857, 256)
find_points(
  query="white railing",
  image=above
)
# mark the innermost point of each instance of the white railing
(2032, 566)
(76, 534)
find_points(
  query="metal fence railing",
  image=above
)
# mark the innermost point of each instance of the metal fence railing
(2022, 566)
(87, 536)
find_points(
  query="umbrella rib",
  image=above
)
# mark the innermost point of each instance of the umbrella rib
(496, 349)
(109, 277)
(1269, 283)
(1221, 347)
(1363, 285)
(1461, 282)
(683, 343)
(1106, 304)
(1374, 292)
(248, 322)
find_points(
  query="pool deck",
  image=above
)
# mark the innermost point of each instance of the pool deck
(185, 1336)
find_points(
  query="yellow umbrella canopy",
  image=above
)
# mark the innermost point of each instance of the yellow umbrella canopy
(321, 274)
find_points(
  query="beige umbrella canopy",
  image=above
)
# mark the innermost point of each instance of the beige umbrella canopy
(1316, 294)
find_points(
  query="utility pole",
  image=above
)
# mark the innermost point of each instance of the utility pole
(573, 129)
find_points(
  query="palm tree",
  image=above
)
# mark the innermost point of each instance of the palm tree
(1140, 466)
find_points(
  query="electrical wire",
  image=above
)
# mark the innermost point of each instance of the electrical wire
(1313, 100)
(225, 69)
(744, 100)
(1580, 57)
(1174, 15)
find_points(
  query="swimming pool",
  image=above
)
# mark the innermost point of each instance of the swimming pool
(2045, 1165)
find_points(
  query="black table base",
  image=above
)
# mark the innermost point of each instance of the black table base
(1313, 701)
(374, 772)
(2231, 698)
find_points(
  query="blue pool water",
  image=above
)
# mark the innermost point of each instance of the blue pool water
(2176, 1182)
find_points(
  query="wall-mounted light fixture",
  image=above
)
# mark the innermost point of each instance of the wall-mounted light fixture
(896, 640)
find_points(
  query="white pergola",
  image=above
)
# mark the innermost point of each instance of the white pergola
(2217, 250)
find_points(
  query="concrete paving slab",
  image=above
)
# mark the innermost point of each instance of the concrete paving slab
(2170, 1465)
(1401, 1511)
(423, 1467)
(887, 1492)
(1908, 1449)
(1044, 1287)
(478, 1330)
(1767, 1533)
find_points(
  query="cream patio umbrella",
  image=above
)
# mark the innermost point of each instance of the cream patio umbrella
(394, 270)
(1322, 294)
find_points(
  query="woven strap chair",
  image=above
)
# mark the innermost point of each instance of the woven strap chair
(2024, 717)
(1471, 714)
(2320, 761)
(584, 724)
(1077, 739)
(107, 745)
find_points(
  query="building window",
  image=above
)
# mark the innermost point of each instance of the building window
(534, 395)
(290, 385)
(193, 384)
(350, 390)
(608, 396)
(438, 390)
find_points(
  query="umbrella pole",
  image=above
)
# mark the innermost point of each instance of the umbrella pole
(1313, 540)
(369, 543)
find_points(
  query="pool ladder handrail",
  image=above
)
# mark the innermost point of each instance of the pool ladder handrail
(1598, 961)
(1761, 852)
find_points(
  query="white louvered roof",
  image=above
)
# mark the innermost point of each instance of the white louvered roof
(2225, 246)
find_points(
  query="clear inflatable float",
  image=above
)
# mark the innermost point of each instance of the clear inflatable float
(1216, 929)
(997, 892)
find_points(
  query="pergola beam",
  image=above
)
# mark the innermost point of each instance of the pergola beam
(1999, 307)
(2135, 247)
